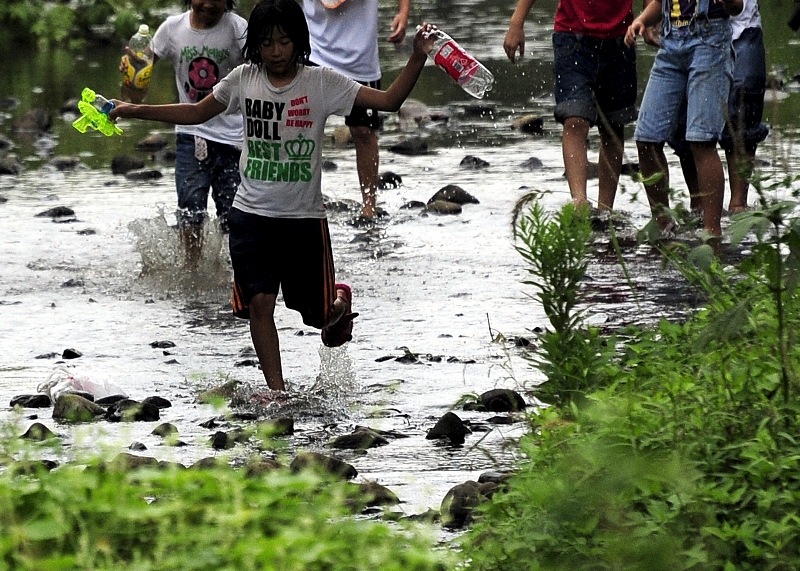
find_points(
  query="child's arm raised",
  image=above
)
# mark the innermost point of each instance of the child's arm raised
(176, 113)
(393, 97)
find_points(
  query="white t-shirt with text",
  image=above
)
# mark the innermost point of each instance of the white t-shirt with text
(281, 162)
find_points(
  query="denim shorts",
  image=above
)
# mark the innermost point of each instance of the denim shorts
(594, 76)
(292, 255)
(746, 101)
(692, 68)
(219, 171)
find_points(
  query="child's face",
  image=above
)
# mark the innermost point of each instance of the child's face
(277, 53)
(209, 12)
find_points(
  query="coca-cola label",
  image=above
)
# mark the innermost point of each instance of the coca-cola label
(455, 61)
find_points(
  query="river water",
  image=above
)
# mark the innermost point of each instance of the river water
(446, 288)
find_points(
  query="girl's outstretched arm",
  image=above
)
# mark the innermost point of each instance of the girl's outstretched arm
(176, 113)
(393, 97)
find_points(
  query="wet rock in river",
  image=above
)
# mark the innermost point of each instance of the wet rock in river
(453, 193)
(261, 466)
(413, 204)
(502, 400)
(443, 207)
(530, 124)
(32, 467)
(499, 478)
(152, 143)
(31, 401)
(144, 174)
(328, 464)
(57, 212)
(38, 432)
(473, 162)
(360, 439)
(71, 354)
(389, 179)
(165, 429)
(6, 144)
(65, 163)
(129, 410)
(209, 463)
(157, 401)
(10, 165)
(34, 122)
(109, 400)
(75, 408)
(451, 427)
(275, 427)
(458, 505)
(226, 440)
(532, 164)
(125, 462)
(411, 146)
(8, 103)
(123, 164)
(372, 493)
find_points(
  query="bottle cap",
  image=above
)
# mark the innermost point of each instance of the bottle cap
(144, 29)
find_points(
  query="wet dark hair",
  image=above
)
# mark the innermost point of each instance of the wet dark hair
(231, 4)
(270, 14)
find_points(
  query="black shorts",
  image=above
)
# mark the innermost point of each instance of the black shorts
(290, 254)
(362, 116)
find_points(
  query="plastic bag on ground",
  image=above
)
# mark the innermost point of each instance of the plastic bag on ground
(62, 380)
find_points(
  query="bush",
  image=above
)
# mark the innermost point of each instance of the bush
(177, 519)
(687, 458)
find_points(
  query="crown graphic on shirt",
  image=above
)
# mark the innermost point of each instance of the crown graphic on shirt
(299, 149)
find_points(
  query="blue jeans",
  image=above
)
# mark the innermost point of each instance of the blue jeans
(219, 171)
(746, 101)
(594, 77)
(693, 67)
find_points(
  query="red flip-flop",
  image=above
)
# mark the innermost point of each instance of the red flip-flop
(342, 331)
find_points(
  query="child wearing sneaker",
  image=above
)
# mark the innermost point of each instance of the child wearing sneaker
(279, 237)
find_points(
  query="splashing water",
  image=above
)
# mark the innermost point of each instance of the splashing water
(331, 396)
(163, 259)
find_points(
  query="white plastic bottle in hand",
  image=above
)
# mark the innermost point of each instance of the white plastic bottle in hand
(139, 66)
(468, 72)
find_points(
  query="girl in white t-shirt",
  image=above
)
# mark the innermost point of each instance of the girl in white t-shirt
(278, 230)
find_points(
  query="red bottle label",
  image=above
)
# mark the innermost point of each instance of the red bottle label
(455, 61)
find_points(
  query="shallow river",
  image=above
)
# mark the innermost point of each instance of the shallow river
(446, 288)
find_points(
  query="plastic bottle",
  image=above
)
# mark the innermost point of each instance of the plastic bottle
(468, 72)
(140, 66)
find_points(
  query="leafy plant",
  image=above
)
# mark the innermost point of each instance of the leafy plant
(98, 518)
(555, 250)
(687, 457)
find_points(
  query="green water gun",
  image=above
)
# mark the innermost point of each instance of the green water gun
(94, 110)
